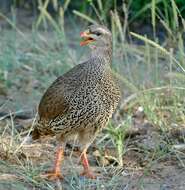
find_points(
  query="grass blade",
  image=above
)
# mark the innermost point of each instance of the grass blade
(85, 17)
(158, 47)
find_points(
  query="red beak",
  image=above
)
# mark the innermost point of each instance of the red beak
(86, 38)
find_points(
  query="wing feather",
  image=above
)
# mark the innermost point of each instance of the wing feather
(56, 99)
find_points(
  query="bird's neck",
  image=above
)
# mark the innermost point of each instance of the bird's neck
(104, 54)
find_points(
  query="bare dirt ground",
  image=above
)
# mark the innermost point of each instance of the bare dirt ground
(147, 164)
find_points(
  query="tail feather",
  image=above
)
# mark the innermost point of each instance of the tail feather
(41, 130)
(36, 132)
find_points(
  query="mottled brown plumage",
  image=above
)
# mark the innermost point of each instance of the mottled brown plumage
(80, 102)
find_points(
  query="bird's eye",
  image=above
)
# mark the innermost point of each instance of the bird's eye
(97, 33)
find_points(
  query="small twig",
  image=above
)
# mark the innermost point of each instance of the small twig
(179, 146)
(9, 177)
(128, 99)
(19, 114)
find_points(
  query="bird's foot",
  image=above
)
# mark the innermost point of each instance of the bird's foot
(52, 175)
(88, 174)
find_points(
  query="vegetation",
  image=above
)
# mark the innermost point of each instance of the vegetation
(149, 62)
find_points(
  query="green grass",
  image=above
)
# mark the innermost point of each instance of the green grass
(151, 76)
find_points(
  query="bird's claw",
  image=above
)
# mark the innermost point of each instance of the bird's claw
(88, 174)
(52, 176)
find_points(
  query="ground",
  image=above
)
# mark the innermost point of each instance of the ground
(141, 148)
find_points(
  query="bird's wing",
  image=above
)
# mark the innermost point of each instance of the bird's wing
(56, 99)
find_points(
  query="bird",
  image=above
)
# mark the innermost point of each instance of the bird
(80, 103)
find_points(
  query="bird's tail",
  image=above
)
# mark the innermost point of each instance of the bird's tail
(41, 129)
(35, 134)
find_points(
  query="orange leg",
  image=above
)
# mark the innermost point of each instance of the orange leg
(55, 173)
(85, 163)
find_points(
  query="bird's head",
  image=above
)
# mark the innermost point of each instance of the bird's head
(96, 36)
